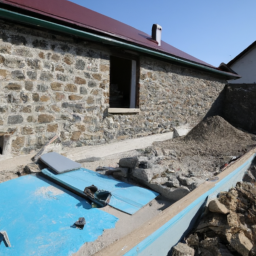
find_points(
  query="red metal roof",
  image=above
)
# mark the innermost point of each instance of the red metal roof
(86, 18)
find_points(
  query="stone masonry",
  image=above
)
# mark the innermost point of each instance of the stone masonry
(52, 83)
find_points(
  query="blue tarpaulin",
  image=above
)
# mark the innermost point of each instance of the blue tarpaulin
(38, 218)
(125, 197)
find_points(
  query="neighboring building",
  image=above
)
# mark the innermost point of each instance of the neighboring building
(69, 70)
(240, 105)
(244, 64)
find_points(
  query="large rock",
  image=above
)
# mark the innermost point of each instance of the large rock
(143, 175)
(191, 182)
(173, 194)
(128, 162)
(216, 206)
(182, 250)
(240, 243)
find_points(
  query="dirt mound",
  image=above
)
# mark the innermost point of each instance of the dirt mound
(207, 147)
(216, 129)
(212, 137)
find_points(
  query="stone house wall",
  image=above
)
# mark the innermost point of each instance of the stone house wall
(59, 84)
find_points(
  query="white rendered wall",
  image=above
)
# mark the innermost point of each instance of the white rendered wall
(246, 68)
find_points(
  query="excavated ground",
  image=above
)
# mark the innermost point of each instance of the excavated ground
(207, 148)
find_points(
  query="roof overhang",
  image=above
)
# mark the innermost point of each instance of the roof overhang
(54, 25)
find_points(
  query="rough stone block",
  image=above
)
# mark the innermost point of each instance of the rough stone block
(29, 85)
(83, 90)
(216, 206)
(71, 88)
(182, 250)
(80, 65)
(74, 97)
(13, 87)
(17, 119)
(56, 86)
(18, 143)
(129, 162)
(44, 118)
(79, 80)
(52, 127)
(27, 130)
(46, 76)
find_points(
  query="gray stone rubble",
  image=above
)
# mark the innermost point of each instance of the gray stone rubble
(228, 226)
(148, 170)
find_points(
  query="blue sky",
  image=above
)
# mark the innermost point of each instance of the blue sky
(214, 31)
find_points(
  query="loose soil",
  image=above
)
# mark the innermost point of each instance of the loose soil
(206, 148)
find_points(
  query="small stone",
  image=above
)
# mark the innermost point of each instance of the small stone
(34, 64)
(2, 59)
(42, 87)
(79, 80)
(32, 168)
(80, 127)
(40, 109)
(29, 85)
(90, 100)
(27, 130)
(83, 90)
(75, 135)
(52, 127)
(32, 75)
(97, 76)
(74, 97)
(68, 59)
(55, 57)
(31, 119)
(80, 65)
(182, 250)
(18, 143)
(44, 98)
(44, 118)
(35, 97)
(129, 162)
(216, 206)
(92, 84)
(59, 96)
(193, 240)
(17, 119)
(240, 243)
(71, 88)
(104, 68)
(62, 77)
(5, 48)
(56, 86)
(22, 51)
(59, 68)
(41, 55)
(17, 75)
(55, 108)
(26, 109)
(46, 76)
(13, 87)
(3, 73)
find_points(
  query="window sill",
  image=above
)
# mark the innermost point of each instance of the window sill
(123, 110)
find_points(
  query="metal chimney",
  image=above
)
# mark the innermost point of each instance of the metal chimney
(157, 33)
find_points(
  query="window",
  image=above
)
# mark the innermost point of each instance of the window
(123, 81)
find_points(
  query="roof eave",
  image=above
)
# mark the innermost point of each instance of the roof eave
(11, 15)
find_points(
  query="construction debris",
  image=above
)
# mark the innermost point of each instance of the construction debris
(229, 224)
(176, 167)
